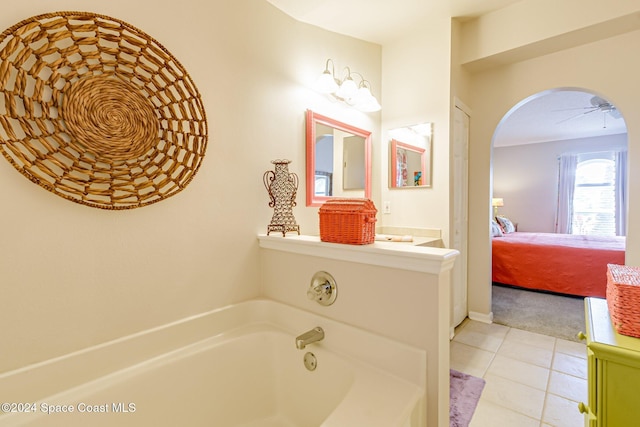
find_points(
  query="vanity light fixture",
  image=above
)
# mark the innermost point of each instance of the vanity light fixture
(357, 95)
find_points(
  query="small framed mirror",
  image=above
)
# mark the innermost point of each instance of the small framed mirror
(338, 159)
(411, 157)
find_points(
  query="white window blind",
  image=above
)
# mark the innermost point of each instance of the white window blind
(594, 198)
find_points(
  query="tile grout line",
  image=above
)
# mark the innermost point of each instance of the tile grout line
(494, 354)
(546, 392)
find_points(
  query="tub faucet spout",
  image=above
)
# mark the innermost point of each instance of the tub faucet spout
(314, 335)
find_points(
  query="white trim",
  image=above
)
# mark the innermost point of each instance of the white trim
(457, 103)
(481, 317)
(383, 254)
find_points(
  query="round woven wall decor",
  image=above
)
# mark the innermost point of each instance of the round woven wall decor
(98, 112)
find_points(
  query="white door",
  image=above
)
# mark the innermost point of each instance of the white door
(460, 186)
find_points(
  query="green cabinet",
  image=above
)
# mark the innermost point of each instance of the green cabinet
(613, 371)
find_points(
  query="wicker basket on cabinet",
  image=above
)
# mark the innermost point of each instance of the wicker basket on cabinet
(623, 298)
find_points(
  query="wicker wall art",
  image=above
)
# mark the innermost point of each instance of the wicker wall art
(98, 112)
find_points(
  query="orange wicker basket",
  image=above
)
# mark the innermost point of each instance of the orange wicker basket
(623, 298)
(351, 221)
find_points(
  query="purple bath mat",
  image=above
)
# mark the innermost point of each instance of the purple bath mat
(464, 394)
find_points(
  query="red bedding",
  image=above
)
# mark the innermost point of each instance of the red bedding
(563, 263)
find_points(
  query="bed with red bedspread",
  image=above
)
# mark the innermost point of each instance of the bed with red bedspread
(562, 263)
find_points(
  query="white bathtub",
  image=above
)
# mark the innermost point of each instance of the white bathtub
(245, 372)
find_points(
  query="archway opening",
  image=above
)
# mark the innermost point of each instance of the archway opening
(534, 134)
(537, 149)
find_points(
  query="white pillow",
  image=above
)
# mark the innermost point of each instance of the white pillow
(496, 231)
(506, 224)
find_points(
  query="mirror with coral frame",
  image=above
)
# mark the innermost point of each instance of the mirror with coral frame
(338, 160)
(410, 156)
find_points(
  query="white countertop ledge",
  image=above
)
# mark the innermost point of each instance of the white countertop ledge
(383, 254)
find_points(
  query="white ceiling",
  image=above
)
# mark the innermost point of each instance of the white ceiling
(379, 21)
(540, 119)
(554, 116)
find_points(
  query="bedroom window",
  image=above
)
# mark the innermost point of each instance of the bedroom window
(594, 198)
(592, 193)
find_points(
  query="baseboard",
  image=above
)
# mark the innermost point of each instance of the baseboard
(481, 317)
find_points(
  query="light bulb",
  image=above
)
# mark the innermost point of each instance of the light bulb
(365, 101)
(326, 83)
(370, 106)
(348, 89)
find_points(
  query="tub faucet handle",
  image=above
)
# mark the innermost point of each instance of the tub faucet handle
(323, 288)
(320, 291)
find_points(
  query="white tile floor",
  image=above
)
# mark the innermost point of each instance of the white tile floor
(531, 379)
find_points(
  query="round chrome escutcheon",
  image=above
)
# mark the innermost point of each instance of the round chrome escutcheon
(310, 361)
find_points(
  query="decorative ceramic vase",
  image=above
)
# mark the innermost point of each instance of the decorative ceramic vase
(282, 187)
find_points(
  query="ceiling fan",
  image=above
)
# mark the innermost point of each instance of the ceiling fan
(597, 104)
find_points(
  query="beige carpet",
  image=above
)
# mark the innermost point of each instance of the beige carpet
(549, 314)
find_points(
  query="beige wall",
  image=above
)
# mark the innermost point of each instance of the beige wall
(490, 64)
(416, 90)
(74, 276)
(608, 68)
(531, 28)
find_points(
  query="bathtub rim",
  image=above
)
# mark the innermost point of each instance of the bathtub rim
(402, 399)
(40, 380)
